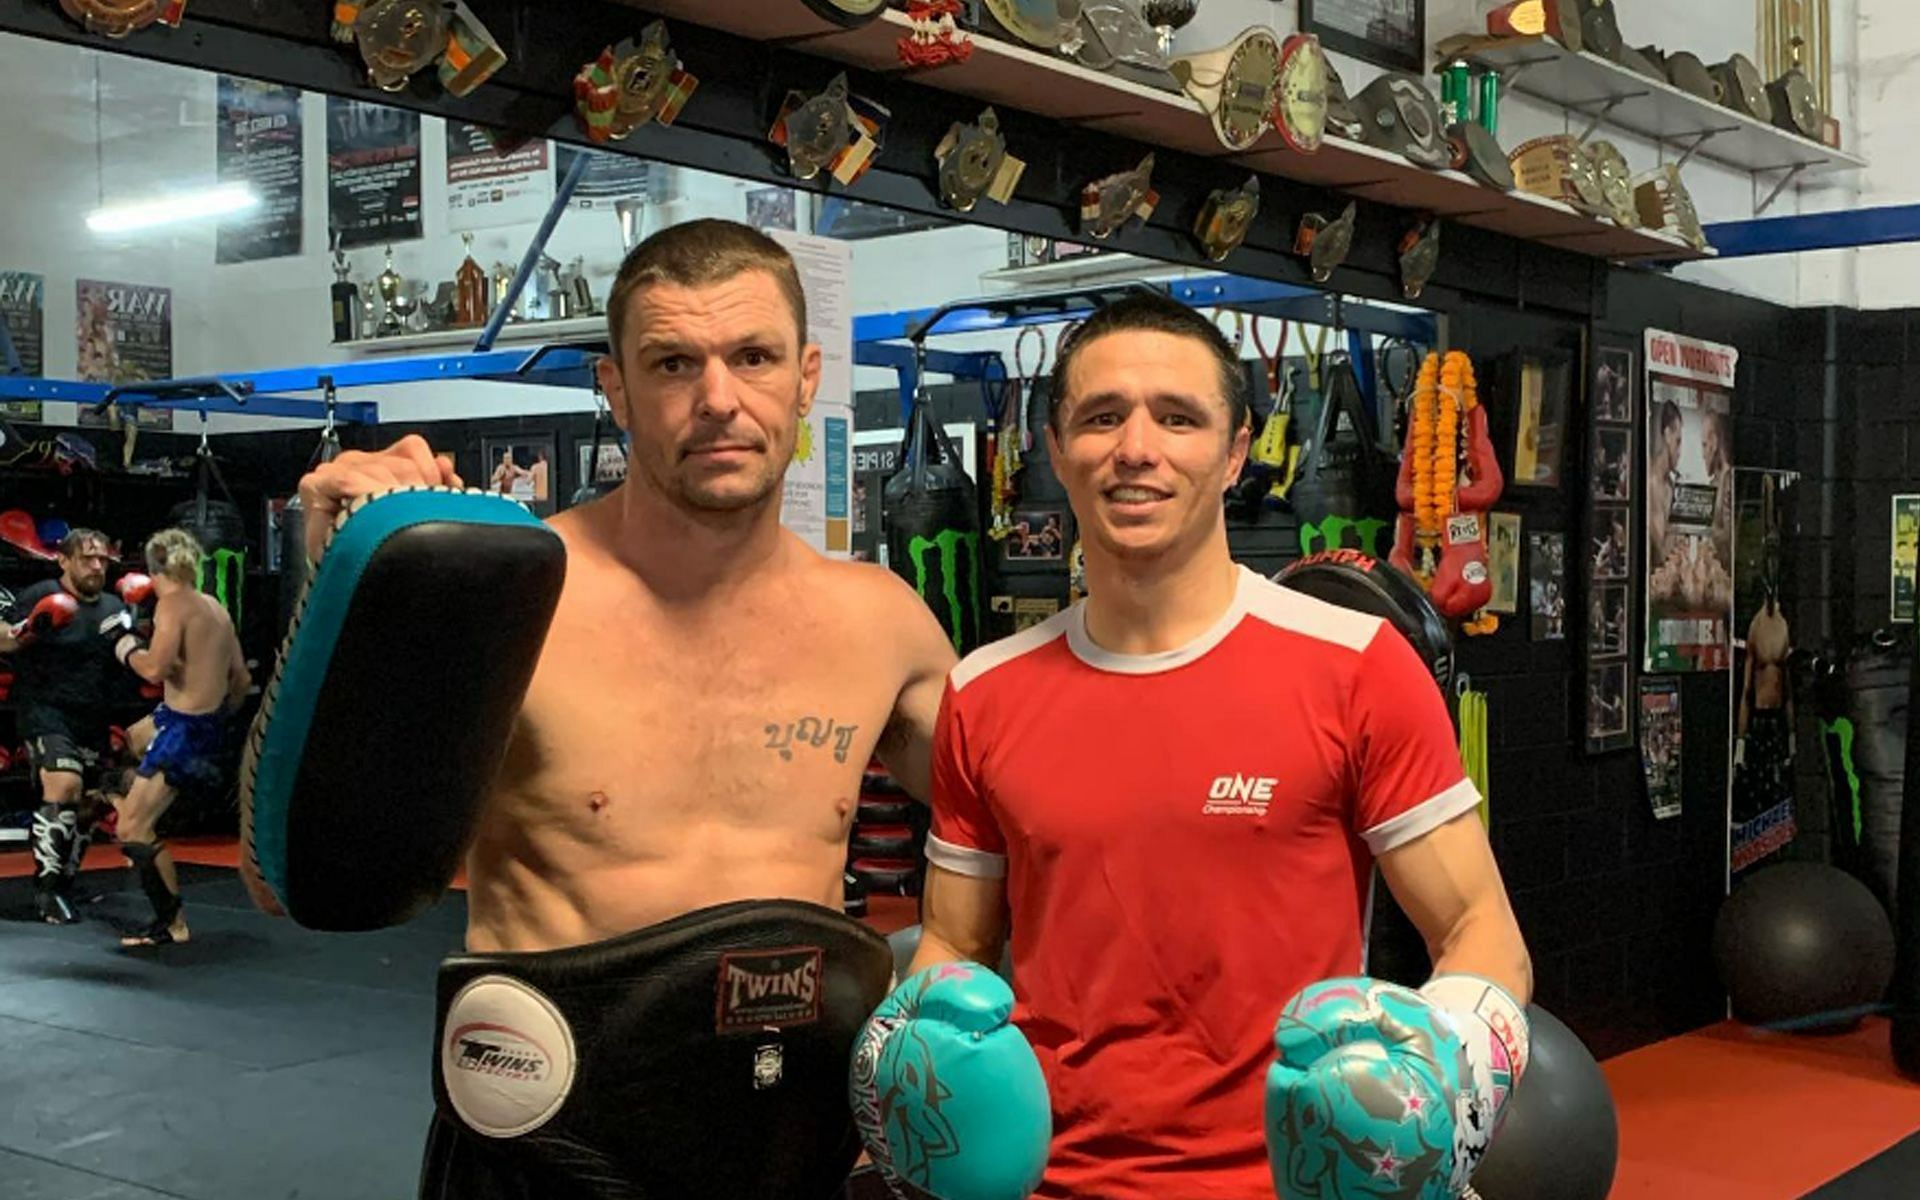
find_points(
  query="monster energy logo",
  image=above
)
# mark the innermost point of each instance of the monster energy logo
(949, 543)
(1839, 741)
(225, 563)
(1332, 532)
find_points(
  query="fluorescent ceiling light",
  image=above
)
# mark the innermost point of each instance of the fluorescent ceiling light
(181, 206)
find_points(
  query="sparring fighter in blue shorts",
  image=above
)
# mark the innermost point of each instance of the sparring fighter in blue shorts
(675, 699)
(193, 652)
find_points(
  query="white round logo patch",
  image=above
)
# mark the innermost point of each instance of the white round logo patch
(507, 1057)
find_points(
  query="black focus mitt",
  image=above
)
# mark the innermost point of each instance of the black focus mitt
(1374, 586)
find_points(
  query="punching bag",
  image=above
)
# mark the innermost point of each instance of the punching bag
(1877, 686)
(1343, 495)
(1906, 920)
(932, 519)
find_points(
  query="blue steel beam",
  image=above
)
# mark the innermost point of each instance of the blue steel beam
(1817, 231)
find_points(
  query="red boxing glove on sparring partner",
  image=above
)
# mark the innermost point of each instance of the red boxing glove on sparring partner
(52, 613)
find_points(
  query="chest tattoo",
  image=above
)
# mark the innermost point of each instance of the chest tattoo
(810, 733)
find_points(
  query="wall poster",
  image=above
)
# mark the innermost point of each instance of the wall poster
(1689, 473)
(373, 173)
(259, 144)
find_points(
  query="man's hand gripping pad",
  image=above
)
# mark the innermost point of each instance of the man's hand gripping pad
(389, 714)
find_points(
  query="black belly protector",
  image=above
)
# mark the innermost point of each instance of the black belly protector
(704, 1056)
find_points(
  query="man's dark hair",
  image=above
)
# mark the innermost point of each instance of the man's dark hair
(1669, 415)
(1152, 312)
(697, 253)
(79, 539)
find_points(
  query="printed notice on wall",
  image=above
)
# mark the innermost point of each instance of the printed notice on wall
(818, 501)
(373, 173)
(489, 185)
(1689, 460)
(259, 145)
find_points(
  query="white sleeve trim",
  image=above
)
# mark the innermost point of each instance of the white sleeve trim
(964, 860)
(1422, 818)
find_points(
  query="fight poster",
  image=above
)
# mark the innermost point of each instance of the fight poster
(1761, 787)
(1689, 462)
(373, 173)
(608, 177)
(819, 484)
(123, 333)
(488, 185)
(259, 144)
(23, 307)
(1660, 748)
(1905, 556)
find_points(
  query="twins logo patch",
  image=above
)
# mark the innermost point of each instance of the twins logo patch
(764, 989)
(506, 1057)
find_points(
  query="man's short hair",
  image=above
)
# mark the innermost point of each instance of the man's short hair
(697, 253)
(78, 540)
(1153, 313)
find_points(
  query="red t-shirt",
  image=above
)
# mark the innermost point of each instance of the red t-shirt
(1187, 840)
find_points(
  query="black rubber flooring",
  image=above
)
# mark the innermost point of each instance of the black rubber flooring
(1893, 1174)
(259, 1061)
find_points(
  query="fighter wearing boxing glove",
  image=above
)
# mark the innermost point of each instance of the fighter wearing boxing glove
(655, 918)
(1186, 880)
(60, 633)
(947, 1092)
(1380, 1091)
(48, 615)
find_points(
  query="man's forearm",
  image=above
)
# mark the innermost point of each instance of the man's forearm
(1492, 949)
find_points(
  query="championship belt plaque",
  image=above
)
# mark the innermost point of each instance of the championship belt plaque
(1226, 217)
(1419, 256)
(848, 12)
(1599, 28)
(1559, 168)
(1666, 205)
(1401, 115)
(1796, 108)
(1325, 244)
(974, 162)
(834, 131)
(118, 18)
(396, 37)
(1035, 22)
(1112, 31)
(471, 55)
(1686, 72)
(1557, 19)
(629, 85)
(1305, 93)
(1235, 84)
(1478, 153)
(1615, 178)
(1109, 203)
(1745, 92)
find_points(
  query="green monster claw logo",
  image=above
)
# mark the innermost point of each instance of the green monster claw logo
(229, 579)
(1839, 740)
(803, 443)
(949, 543)
(1332, 532)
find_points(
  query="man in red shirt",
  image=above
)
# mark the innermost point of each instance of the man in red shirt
(1179, 789)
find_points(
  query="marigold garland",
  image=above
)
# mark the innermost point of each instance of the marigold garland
(1445, 391)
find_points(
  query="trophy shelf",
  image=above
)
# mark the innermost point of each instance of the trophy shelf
(1652, 108)
(583, 329)
(1019, 78)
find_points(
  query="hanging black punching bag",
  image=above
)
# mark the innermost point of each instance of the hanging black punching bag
(1343, 496)
(1877, 679)
(1906, 919)
(932, 520)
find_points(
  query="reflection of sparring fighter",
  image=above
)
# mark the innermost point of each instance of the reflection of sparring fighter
(1165, 904)
(195, 654)
(1763, 753)
(61, 633)
(657, 875)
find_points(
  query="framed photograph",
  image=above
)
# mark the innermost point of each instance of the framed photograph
(1542, 387)
(1039, 535)
(1610, 554)
(1660, 750)
(1503, 562)
(1613, 386)
(1607, 704)
(1905, 556)
(611, 466)
(1547, 585)
(1612, 465)
(520, 468)
(1607, 617)
(1387, 33)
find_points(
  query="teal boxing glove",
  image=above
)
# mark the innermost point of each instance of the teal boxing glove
(1378, 1091)
(947, 1092)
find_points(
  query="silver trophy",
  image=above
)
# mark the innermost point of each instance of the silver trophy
(632, 211)
(580, 291)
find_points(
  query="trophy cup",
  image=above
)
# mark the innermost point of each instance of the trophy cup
(392, 291)
(632, 211)
(502, 284)
(369, 293)
(559, 298)
(580, 291)
(419, 316)
(346, 298)
(470, 290)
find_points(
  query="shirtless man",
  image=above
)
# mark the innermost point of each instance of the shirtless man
(1662, 467)
(1763, 751)
(706, 700)
(195, 655)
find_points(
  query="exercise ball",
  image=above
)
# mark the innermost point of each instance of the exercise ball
(1559, 1138)
(1804, 946)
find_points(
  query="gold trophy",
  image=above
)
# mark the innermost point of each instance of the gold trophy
(392, 290)
(470, 290)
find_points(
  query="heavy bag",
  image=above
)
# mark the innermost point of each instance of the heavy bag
(294, 567)
(1906, 919)
(1345, 478)
(932, 518)
(215, 524)
(1876, 705)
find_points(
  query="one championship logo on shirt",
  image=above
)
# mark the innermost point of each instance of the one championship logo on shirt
(769, 988)
(1240, 796)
